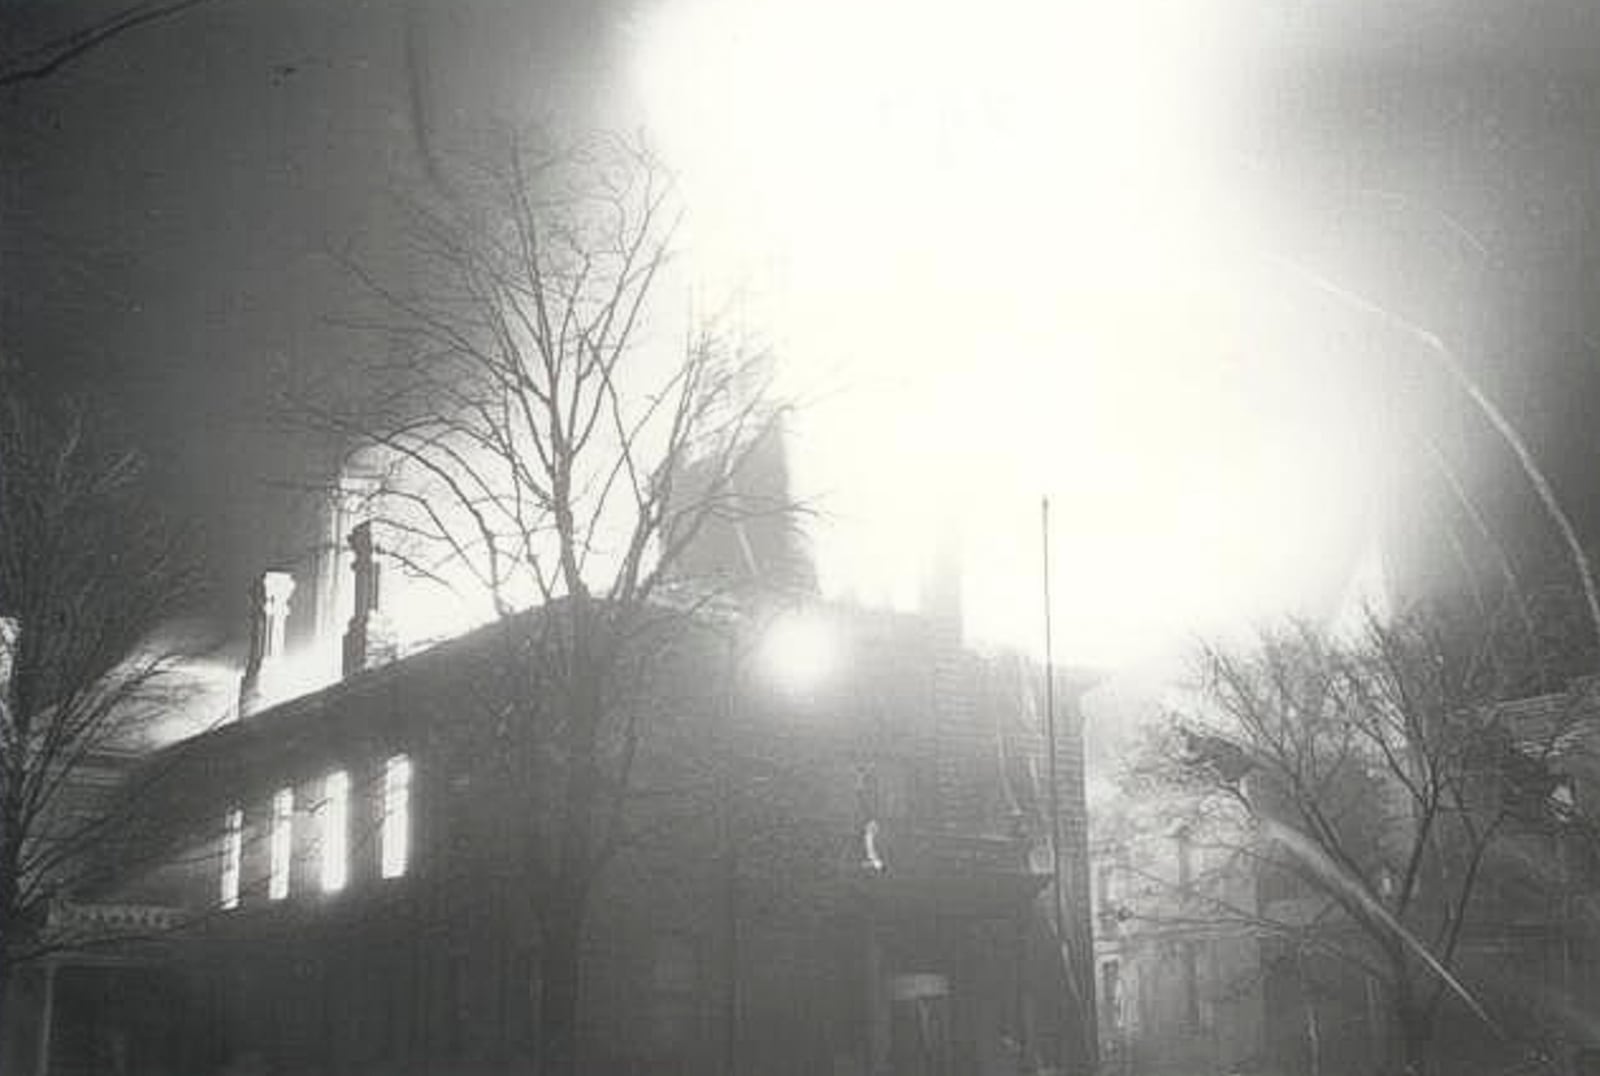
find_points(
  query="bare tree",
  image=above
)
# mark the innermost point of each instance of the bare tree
(1383, 785)
(89, 571)
(49, 57)
(532, 438)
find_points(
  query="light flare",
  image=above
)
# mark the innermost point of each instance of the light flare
(797, 652)
(998, 255)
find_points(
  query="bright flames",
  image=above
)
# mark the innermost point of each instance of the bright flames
(994, 247)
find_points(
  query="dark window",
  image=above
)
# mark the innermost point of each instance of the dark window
(1275, 882)
(454, 1011)
(522, 998)
(1106, 884)
(1188, 953)
(674, 984)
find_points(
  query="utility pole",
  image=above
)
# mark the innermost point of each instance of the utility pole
(1078, 1030)
(728, 839)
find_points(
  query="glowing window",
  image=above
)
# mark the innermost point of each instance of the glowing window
(282, 843)
(232, 857)
(396, 838)
(335, 826)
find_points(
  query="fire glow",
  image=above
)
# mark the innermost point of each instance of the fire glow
(996, 247)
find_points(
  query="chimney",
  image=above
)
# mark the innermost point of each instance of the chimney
(269, 614)
(368, 640)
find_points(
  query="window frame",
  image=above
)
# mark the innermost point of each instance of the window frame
(280, 845)
(394, 837)
(232, 858)
(333, 831)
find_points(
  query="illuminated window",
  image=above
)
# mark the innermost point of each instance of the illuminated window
(282, 843)
(396, 838)
(232, 857)
(335, 825)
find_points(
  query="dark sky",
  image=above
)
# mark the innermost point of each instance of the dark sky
(174, 204)
(1447, 156)
(171, 201)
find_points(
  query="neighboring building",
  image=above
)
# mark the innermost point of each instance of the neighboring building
(866, 893)
(1176, 974)
(68, 949)
(1216, 955)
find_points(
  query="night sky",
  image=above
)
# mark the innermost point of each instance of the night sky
(171, 201)
(176, 205)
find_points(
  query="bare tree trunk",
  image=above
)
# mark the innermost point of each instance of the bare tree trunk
(561, 973)
(1308, 1002)
(1413, 1031)
(560, 970)
(1416, 1040)
(5, 982)
(8, 900)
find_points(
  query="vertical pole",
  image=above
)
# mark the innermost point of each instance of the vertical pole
(1567, 873)
(1076, 1036)
(47, 1019)
(729, 857)
(1053, 755)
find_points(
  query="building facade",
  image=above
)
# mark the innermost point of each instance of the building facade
(841, 876)
(1218, 951)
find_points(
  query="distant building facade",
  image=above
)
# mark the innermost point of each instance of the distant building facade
(1214, 953)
